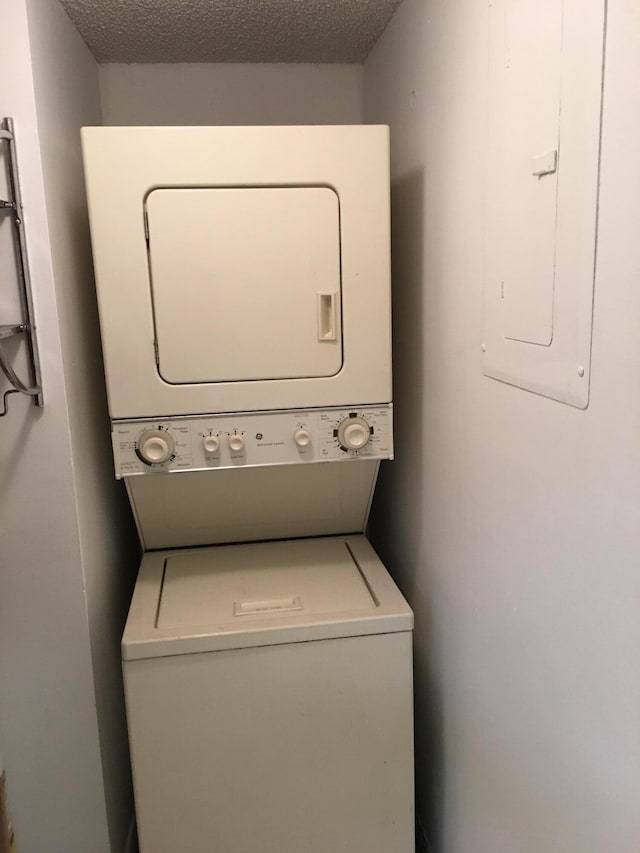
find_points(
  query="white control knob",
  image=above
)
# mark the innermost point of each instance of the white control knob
(302, 437)
(211, 443)
(353, 433)
(155, 446)
(236, 442)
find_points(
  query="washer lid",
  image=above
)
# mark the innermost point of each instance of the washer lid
(267, 581)
(260, 594)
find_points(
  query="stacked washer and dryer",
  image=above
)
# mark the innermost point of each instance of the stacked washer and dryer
(243, 279)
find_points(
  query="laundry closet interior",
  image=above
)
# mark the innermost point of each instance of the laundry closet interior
(361, 466)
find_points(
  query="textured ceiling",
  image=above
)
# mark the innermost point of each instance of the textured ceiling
(230, 30)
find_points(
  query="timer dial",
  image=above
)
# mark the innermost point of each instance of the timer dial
(155, 446)
(353, 433)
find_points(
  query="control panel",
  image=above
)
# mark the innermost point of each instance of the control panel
(243, 440)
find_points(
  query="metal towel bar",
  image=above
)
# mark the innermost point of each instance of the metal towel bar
(27, 328)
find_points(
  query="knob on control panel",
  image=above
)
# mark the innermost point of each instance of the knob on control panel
(302, 437)
(211, 443)
(353, 433)
(236, 442)
(155, 446)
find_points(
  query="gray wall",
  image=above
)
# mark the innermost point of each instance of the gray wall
(510, 520)
(229, 93)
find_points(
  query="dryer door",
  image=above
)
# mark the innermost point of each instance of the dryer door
(245, 283)
(241, 269)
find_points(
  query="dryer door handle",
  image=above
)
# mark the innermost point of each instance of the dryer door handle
(327, 317)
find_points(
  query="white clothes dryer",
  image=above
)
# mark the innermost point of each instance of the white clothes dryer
(241, 269)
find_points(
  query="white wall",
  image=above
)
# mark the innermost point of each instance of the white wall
(68, 97)
(510, 520)
(48, 726)
(65, 527)
(185, 94)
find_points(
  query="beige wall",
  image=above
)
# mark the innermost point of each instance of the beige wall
(510, 520)
(231, 94)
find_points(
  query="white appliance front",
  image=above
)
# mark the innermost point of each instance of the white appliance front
(241, 269)
(275, 680)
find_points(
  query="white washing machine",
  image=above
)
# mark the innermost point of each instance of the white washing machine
(243, 279)
(269, 699)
